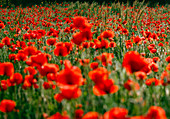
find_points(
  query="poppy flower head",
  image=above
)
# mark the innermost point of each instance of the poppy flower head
(3, 85)
(58, 116)
(6, 68)
(1, 45)
(35, 59)
(105, 87)
(131, 85)
(137, 39)
(156, 112)
(94, 65)
(30, 50)
(61, 49)
(49, 68)
(168, 59)
(106, 58)
(2, 26)
(30, 70)
(6, 41)
(116, 113)
(68, 92)
(107, 34)
(165, 78)
(79, 114)
(91, 115)
(51, 41)
(140, 75)
(153, 81)
(7, 105)
(81, 23)
(78, 38)
(98, 75)
(71, 75)
(133, 62)
(16, 78)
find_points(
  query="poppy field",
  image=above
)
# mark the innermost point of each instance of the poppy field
(85, 61)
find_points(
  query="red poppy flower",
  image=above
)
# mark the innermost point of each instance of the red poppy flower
(27, 36)
(68, 92)
(3, 85)
(103, 43)
(7, 69)
(61, 49)
(7, 105)
(51, 41)
(58, 116)
(91, 115)
(84, 61)
(106, 58)
(6, 41)
(2, 25)
(154, 67)
(168, 59)
(133, 62)
(99, 75)
(94, 65)
(156, 112)
(71, 75)
(125, 31)
(87, 34)
(131, 85)
(29, 81)
(12, 57)
(78, 38)
(35, 60)
(107, 34)
(116, 113)
(137, 39)
(86, 44)
(160, 44)
(140, 75)
(79, 114)
(67, 30)
(30, 50)
(69, 46)
(48, 68)
(31, 70)
(129, 44)
(155, 59)
(168, 67)
(1, 45)
(105, 87)
(21, 57)
(112, 44)
(16, 78)
(81, 23)
(165, 78)
(49, 85)
(153, 81)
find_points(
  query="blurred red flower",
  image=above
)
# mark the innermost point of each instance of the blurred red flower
(133, 62)
(71, 75)
(7, 105)
(6, 68)
(58, 116)
(116, 113)
(68, 92)
(131, 85)
(156, 112)
(91, 115)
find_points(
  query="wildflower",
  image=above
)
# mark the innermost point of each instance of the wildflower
(7, 105)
